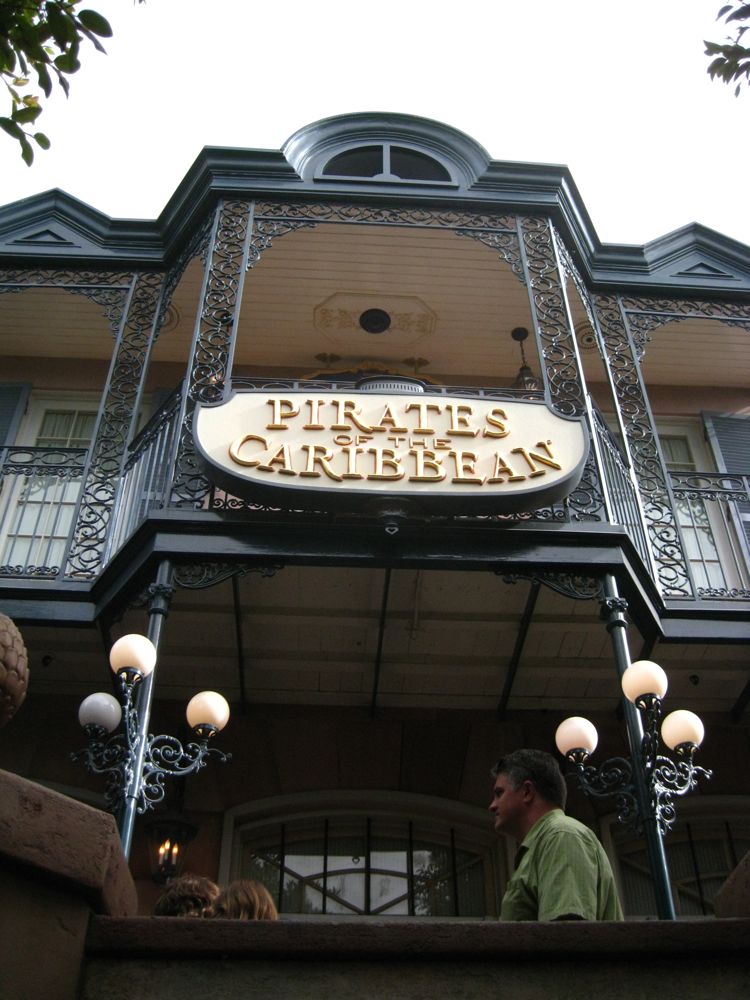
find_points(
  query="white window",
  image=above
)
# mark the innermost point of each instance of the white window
(710, 546)
(38, 510)
(358, 862)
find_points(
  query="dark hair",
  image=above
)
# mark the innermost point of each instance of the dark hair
(245, 899)
(538, 767)
(187, 896)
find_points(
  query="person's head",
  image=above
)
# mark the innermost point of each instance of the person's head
(245, 899)
(528, 783)
(187, 896)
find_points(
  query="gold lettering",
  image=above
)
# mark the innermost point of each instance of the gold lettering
(318, 454)
(235, 446)
(532, 457)
(495, 418)
(465, 471)
(503, 469)
(386, 457)
(313, 423)
(540, 458)
(282, 458)
(425, 459)
(442, 444)
(346, 409)
(388, 418)
(423, 408)
(279, 415)
(342, 440)
(351, 462)
(460, 413)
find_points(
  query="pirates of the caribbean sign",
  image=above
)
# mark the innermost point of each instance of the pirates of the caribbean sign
(439, 453)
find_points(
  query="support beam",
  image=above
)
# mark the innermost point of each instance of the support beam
(523, 631)
(240, 641)
(381, 636)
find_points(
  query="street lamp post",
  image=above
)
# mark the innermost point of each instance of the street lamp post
(134, 763)
(644, 785)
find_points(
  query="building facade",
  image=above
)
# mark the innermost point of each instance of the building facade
(386, 613)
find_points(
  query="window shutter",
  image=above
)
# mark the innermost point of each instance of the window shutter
(729, 437)
(13, 399)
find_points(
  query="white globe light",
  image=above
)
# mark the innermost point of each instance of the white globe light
(682, 727)
(100, 709)
(133, 652)
(208, 708)
(644, 677)
(576, 733)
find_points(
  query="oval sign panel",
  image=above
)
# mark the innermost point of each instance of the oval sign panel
(440, 453)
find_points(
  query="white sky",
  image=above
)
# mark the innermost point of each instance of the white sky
(618, 92)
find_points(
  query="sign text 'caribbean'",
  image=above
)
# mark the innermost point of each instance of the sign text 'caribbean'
(442, 452)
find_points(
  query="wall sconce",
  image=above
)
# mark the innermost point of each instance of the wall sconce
(169, 834)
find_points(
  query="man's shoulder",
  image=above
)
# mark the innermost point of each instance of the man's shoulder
(557, 825)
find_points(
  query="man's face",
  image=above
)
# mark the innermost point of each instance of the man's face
(509, 805)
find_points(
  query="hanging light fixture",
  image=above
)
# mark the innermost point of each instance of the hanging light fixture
(525, 379)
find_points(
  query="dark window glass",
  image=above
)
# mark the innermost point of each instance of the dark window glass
(364, 161)
(414, 166)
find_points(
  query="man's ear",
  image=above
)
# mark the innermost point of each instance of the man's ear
(529, 791)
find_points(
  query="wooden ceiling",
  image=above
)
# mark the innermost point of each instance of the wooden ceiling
(473, 298)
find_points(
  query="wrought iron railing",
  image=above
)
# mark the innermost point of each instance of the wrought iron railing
(619, 486)
(41, 488)
(147, 478)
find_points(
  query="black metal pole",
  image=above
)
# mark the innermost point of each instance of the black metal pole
(613, 611)
(160, 593)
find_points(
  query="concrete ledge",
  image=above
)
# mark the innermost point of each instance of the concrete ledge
(59, 859)
(171, 958)
(328, 938)
(63, 842)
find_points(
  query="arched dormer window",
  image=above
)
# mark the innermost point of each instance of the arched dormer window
(390, 148)
(387, 162)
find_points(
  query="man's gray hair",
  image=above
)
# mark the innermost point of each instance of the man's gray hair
(538, 767)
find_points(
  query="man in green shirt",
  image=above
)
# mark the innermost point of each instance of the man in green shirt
(561, 870)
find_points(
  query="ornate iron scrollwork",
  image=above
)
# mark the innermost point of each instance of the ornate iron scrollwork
(505, 243)
(368, 214)
(199, 576)
(575, 585)
(227, 262)
(661, 525)
(164, 756)
(114, 428)
(552, 318)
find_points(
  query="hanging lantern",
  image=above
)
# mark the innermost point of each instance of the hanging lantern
(169, 834)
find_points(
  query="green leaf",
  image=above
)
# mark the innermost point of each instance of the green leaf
(67, 63)
(24, 116)
(41, 140)
(27, 153)
(96, 23)
(11, 128)
(44, 79)
(63, 26)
